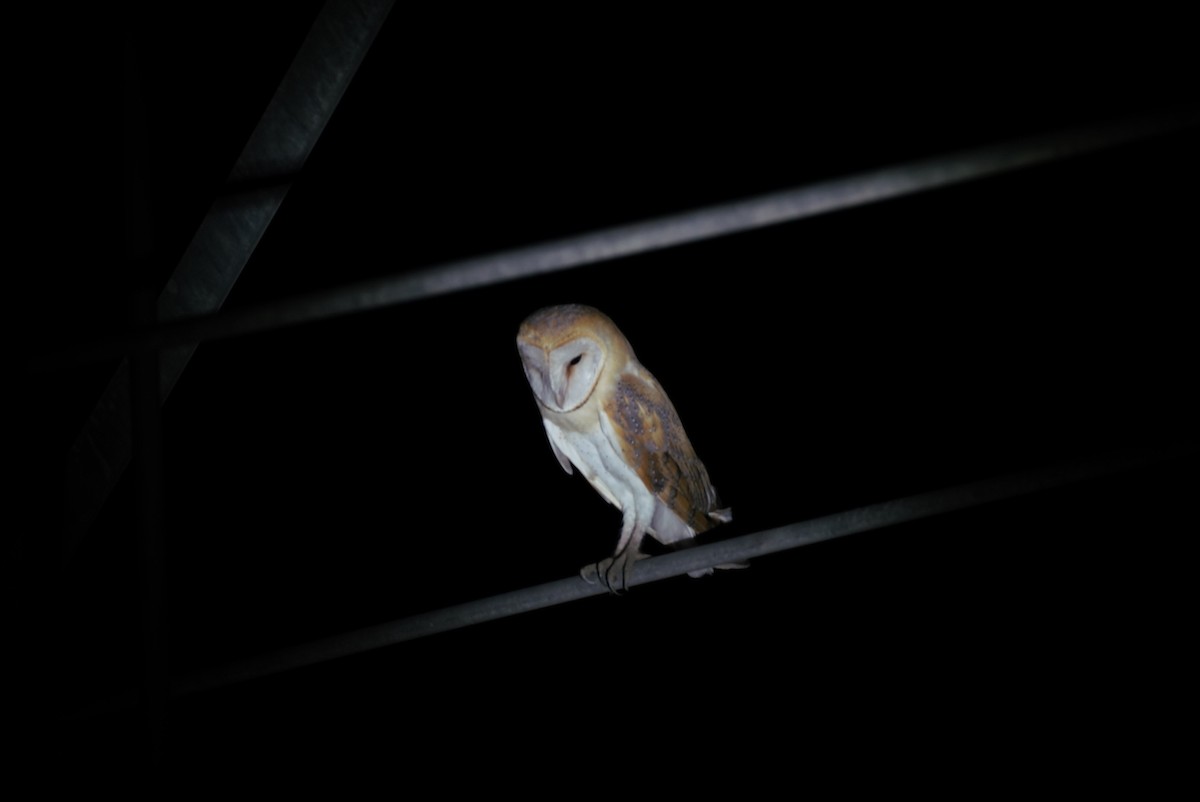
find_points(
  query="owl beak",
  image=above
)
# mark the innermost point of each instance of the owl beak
(560, 393)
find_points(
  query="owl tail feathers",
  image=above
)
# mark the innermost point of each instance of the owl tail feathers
(721, 516)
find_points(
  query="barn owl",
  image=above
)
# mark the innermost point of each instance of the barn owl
(606, 415)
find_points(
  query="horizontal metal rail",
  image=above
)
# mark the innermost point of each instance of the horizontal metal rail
(652, 569)
(635, 238)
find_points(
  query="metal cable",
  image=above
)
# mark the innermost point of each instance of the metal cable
(635, 238)
(653, 569)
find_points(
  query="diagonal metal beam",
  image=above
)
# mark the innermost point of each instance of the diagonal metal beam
(644, 236)
(673, 564)
(279, 146)
(652, 569)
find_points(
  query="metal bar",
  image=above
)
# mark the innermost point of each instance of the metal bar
(277, 149)
(146, 415)
(653, 569)
(641, 237)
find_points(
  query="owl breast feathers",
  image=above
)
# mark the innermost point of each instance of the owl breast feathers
(606, 415)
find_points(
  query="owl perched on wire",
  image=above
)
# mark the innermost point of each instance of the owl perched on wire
(606, 415)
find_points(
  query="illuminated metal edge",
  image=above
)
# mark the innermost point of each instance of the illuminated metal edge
(640, 237)
(653, 569)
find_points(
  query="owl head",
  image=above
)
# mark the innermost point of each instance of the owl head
(565, 350)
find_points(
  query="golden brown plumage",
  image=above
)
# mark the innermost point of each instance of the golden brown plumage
(654, 443)
(607, 415)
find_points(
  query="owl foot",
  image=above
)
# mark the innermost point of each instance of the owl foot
(613, 572)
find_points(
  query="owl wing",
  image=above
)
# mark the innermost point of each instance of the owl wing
(642, 424)
(551, 435)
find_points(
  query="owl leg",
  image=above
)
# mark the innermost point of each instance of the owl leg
(615, 571)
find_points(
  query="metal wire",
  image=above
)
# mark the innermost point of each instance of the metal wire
(641, 237)
(653, 569)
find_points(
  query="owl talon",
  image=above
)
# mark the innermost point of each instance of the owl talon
(615, 572)
(603, 573)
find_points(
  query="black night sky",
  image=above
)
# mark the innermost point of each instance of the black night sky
(331, 476)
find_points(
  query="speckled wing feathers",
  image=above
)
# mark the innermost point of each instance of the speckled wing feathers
(653, 442)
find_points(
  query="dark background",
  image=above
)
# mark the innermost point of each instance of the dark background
(337, 475)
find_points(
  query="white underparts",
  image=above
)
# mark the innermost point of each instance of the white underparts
(606, 470)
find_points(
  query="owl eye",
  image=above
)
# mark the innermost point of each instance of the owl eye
(575, 361)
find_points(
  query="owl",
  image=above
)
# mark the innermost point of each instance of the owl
(608, 416)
